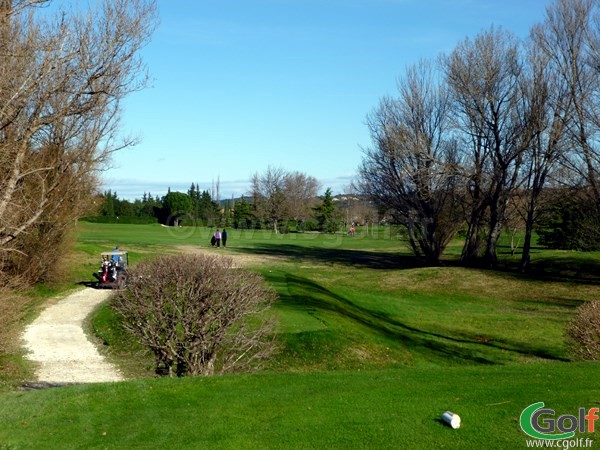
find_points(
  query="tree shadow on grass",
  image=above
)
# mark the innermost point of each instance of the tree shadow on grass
(570, 266)
(562, 269)
(586, 270)
(304, 294)
(324, 255)
(557, 270)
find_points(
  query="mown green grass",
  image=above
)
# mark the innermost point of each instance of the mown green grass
(363, 302)
(105, 328)
(151, 237)
(419, 317)
(374, 348)
(382, 409)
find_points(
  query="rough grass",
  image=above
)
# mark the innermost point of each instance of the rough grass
(411, 319)
(13, 309)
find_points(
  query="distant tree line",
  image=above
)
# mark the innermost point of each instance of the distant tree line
(278, 200)
(499, 131)
(174, 208)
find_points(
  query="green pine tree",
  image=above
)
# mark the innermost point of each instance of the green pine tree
(326, 214)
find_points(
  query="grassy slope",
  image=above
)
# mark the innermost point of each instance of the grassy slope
(412, 317)
(353, 314)
(362, 303)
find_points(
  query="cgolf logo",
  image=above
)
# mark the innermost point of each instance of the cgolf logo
(540, 423)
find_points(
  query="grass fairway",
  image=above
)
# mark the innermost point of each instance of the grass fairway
(374, 348)
(382, 409)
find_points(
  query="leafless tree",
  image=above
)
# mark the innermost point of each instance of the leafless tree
(550, 112)
(11, 7)
(279, 195)
(62, 80)
(569, 38)
(521, 116)
(485, 76)
(300, 194)
(412, 168)
(268, 197)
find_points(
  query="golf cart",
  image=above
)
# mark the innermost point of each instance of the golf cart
(113, 271)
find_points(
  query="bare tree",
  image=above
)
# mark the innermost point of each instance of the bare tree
(62, 80)
(569, 38)
(278, 195)
(268, 197)
(11, 7)
(485, 76)
(300, 194)
(412, 169)
(550, 111)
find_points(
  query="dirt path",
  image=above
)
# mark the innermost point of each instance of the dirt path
(59, 346)
(241, 260)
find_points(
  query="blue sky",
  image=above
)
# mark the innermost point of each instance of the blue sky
(241, 85)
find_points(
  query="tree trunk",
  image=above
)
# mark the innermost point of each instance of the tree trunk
(491, 255)
(411, 239)
(526, 257)
(472, 250)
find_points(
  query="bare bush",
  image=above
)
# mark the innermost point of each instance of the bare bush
(199, 314)
(583, 332)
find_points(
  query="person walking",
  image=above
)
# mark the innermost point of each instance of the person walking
(224, 237)
(218, 237)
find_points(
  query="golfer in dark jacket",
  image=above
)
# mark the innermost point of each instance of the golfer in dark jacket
(224, 237)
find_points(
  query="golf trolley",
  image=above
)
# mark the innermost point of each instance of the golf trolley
(113, 270)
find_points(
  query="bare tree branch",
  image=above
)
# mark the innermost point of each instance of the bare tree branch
(62, 79)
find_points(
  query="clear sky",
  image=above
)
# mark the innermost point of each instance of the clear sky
(238, 85)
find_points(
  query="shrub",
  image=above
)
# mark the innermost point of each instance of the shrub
(583, 332)
(199, 314)
(571, 222)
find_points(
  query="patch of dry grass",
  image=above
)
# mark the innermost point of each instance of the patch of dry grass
(241, 260)
(13, 307)
(488, 284)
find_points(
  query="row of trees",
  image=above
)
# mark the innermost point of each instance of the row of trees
(276, 199)
(497, 124)
(170, 209)
(62, 81)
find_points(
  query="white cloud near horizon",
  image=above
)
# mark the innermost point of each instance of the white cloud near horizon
(131, 189)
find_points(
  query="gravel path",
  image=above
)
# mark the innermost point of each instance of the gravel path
(58, 345)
